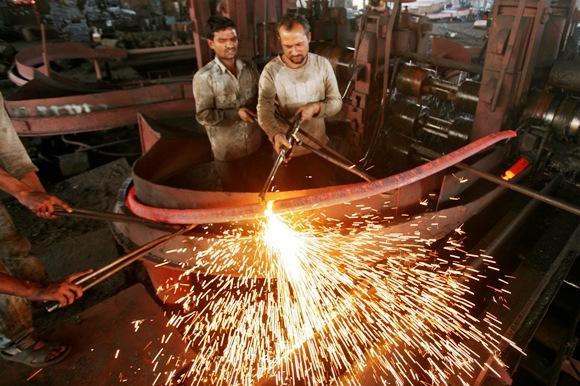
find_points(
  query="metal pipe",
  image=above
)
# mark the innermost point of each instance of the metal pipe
(515, 187)
(520, 189)
(123, 261)
(443, 62)
(330, 150)
(520, 218)
(349, 168)
(111, 217)
(136, 256)
(514, 224)
(137, 252)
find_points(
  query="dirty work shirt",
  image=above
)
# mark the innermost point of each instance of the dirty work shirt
(283, 90)
(218, 95)
(13, 156)
(15, 258)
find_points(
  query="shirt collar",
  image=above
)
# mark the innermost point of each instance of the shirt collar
(239, 65)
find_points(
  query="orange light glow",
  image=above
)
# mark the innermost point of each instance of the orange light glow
(515, 169)
(328, 301)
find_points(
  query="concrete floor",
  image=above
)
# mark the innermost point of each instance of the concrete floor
(68, 245)
(123, 340)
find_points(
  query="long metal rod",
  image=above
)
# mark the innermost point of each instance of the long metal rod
(328, 149)
(519, 219)
(443, 62)
(111, 217)
(522, 216)
(520, 189)
(349, 168)
(123, 261)
(510, 185)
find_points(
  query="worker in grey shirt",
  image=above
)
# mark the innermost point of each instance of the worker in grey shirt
(298, 85)
(226, 91)
(22, 276)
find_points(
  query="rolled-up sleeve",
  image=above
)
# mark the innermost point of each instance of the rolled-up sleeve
(332, 103)
(13, 156)
(267, 106)
(206, 112)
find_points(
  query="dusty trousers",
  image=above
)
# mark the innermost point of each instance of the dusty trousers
(15, 260)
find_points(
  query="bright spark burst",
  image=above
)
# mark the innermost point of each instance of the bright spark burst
(315, 304)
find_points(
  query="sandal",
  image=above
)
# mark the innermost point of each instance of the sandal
(35, 353)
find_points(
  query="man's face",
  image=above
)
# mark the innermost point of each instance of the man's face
(295, 43)
(224, 43)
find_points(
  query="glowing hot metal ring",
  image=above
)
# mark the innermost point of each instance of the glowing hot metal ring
(341, 194)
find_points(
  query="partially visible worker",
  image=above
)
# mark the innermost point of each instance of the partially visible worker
(22, 276)
(226, 92)
(298, 85)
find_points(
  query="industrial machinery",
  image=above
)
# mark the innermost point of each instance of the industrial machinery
(424, 127)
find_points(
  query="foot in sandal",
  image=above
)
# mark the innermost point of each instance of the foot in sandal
(34, 352)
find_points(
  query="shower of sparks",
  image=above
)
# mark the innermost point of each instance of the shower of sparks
(299, 302)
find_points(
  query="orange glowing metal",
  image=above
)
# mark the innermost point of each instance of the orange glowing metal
(515, 169)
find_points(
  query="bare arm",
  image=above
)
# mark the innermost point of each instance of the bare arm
(206, 112)
(64, 292)
(30, 193)
(18, 174)
(31, 179)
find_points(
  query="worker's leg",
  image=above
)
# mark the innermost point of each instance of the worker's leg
(15, 260)
(15, 316)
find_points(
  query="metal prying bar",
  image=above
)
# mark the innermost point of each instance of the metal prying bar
(334, 157)
(122, 262)
(111, 217)
(290, 136)
(335, 161)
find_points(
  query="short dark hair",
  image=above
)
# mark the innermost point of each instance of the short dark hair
(288, 20)
(218, 23)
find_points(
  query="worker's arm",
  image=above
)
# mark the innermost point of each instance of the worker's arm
(18, 174)
(34, 198)
(206, 112)
(63, 292)
(267, 107)
(332, 102)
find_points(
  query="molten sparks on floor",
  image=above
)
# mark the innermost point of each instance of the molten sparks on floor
(327, 303)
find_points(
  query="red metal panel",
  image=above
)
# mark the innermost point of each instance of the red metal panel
(29, 58)
(98, 101)
(99, 120)
(147, 135)
(450, 49)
